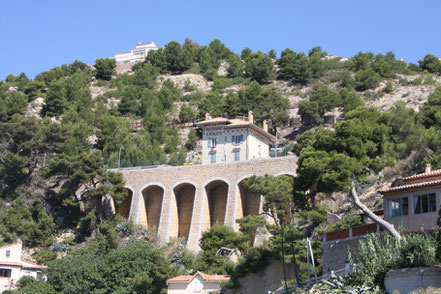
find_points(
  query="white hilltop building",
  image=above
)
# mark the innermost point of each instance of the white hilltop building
(12, 267)
(136, 54)
(236, 139)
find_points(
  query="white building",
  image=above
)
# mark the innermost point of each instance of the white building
(136, 54)
(237, 139)
(12, 267)
(199, 283)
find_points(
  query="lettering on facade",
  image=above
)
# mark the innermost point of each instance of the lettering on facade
(214, 131)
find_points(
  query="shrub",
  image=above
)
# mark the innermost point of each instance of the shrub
(417, 250)
(44, 256)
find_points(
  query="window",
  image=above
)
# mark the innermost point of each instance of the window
(8, 253)
(236, 155)
(398, 207)
(424, 203)
(4, 272)
(212, 142)
(237, 139)
(212, 157)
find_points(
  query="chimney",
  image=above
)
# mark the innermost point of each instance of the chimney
(428, 168)
(265, 126)
(207, 116)
(251, 116)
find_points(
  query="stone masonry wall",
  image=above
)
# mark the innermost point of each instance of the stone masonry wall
(199, 176)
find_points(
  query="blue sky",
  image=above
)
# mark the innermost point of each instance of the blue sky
(38, 35)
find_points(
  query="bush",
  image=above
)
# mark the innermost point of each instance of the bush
(44, 256)
(377, 255)
(417, 250)
(366, 79)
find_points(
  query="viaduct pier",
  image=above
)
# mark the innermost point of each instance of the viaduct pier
(184, 201)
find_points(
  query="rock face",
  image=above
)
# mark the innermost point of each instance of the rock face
(201, 83)
(35, 108)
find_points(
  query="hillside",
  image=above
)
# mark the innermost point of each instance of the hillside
(371, 116)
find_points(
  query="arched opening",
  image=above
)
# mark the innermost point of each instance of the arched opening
(217, 195)
(250, 201)
(153, 196)
(123, 208)
(250, 205)
(184, 199)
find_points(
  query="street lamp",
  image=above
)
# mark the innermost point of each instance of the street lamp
(119, 156)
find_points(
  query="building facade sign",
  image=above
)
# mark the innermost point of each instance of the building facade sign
(214, 131)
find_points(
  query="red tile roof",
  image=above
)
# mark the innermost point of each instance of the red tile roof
(410, 186)
(23, 264)
(424, 175)
(235, 123)
(208, 278)
(13, 244)
(121, 53)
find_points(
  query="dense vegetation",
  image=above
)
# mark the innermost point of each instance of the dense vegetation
(53, 163)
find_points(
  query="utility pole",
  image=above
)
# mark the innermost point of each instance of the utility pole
(283, 263)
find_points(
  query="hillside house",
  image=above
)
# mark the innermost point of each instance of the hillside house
(234, 139)
(138, 53)
(414, 206)
(12, 267)
(411, 207)
(199, 283)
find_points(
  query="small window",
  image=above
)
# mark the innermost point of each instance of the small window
(212, 142)
(4, 272)
(424, 203)
(398, 207)
(237, 139)
(8, 253)
(236, 155)
(212, 157)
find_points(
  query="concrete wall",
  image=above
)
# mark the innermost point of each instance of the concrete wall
(267, 279)
(196, 208)
(412, 221)
(411, 279)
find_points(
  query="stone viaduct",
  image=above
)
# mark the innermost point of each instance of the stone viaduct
(184, 201)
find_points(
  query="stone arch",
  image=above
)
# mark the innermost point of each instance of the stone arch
(182, 208)
(151, 202)
(249, 203)
(125, 207)
(216, 194)
(286, 173)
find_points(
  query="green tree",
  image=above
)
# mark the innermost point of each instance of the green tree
(174, 58)
(186, 112)
(259, 67)
(280, 199)
(211, 241)
(56, 98)
(366, 79)
(235, 67)
(192, 139)
(245, 53)
(431, 64)
(114, 272)
(104, 68)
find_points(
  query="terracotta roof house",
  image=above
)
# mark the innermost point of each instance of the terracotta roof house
(199, 283)
(234, 139)
(12, 267)
(414, 206)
